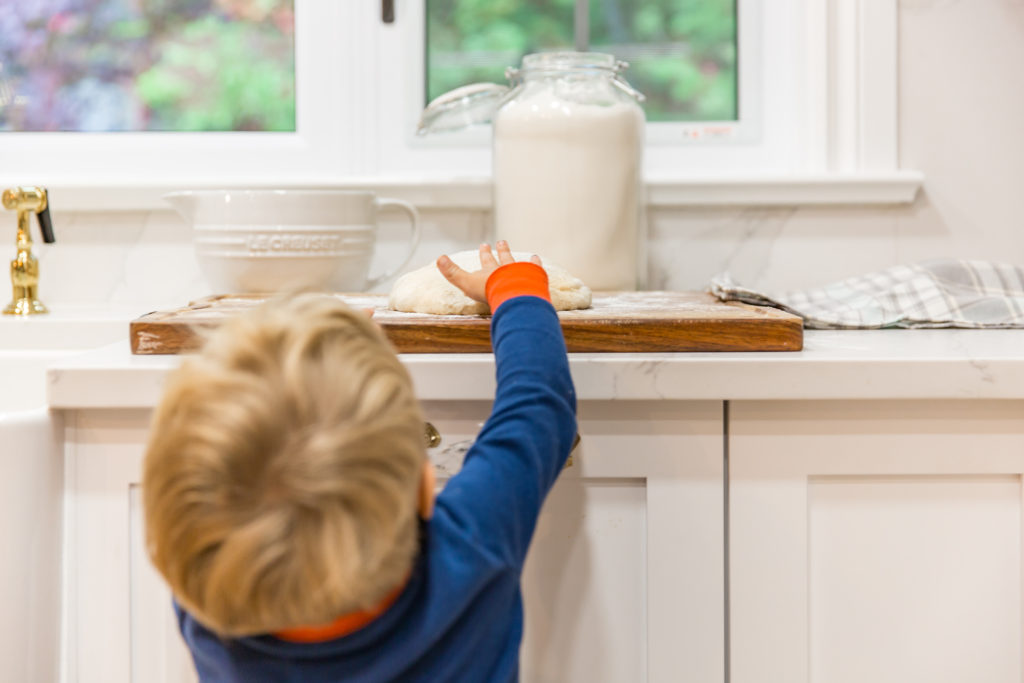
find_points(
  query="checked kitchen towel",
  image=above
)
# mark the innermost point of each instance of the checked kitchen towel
(938, 293)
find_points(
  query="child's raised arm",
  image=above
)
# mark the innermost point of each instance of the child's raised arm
(518, 454)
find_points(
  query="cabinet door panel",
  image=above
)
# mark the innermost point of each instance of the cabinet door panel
(914, 578)
(624, 580)
(158, 654)
(875, 541)
(103, 454)
(584, 584)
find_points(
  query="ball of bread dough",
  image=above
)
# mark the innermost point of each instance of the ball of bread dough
(425, 290)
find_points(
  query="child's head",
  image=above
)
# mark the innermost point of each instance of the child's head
(282, 475)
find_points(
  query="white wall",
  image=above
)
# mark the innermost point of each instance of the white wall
(961, 123)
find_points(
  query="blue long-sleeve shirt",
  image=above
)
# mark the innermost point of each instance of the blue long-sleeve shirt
(460, 617)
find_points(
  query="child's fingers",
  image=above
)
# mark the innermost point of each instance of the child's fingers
(369, 314)
(451, 272)
(487, 261)
(536, 260)
(504, 253)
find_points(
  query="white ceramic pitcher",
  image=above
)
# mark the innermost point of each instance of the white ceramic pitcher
(265, 241)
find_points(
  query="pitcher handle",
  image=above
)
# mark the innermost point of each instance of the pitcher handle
(414, 217)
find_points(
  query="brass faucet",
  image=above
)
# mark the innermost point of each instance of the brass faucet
(25, 267)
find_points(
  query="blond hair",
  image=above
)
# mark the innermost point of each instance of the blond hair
(281, 476)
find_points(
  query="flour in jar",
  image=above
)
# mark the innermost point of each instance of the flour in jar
(567, 184)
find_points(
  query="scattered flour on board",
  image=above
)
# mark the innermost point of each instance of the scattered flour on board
(616, 304)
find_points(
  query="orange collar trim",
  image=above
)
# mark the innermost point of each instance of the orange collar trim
(342, 626)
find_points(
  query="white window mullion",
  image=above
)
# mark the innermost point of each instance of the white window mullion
(400, 94)
(843, 93)
(360, 85)
(862, 97)
(582, 28)
(879, 82)
(817, 104)
(323, 85)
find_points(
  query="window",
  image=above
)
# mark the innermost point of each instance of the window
(211, 65)
(682, 52)
(815, 100)
(698, 62)
(778, 103)
(202, 92)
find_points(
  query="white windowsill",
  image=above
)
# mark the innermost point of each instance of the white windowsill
(899, 187)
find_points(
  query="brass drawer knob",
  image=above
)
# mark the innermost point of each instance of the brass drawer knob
(431, 437)
(575, 442)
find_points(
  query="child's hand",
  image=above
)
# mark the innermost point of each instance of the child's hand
(474, 284)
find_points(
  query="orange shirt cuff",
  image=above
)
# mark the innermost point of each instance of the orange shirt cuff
(516, 279)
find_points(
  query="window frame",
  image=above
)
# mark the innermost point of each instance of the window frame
(402, 52)
(746, 129)
(827, 88)
(170, 158)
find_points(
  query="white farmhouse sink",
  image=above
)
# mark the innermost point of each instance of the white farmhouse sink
(29, 345)
(31, 480)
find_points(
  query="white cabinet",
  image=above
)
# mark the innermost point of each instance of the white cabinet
(624, 580)
(31, 481)
(876, 541)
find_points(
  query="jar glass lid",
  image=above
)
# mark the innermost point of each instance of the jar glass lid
(557, 61)
(463, 107)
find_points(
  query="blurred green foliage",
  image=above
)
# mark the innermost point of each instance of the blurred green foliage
(224, 65)
(474, 40)
(682, 53)
(216, 75)
(150, 65)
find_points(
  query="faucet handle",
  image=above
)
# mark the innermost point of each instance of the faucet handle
(45, 223)
(34, 199)
(25, 267)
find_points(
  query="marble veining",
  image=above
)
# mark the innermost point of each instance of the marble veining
(861, 364)
(448, 460)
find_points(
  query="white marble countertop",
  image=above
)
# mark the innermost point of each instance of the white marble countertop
(877, 364)
(66, 327)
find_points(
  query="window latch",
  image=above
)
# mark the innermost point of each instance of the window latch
(387, 11)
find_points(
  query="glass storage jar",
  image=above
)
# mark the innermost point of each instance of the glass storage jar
(567, 143)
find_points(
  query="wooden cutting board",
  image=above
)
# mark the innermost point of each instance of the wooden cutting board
(617, 322)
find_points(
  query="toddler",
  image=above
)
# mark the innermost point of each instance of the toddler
(290, 505)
